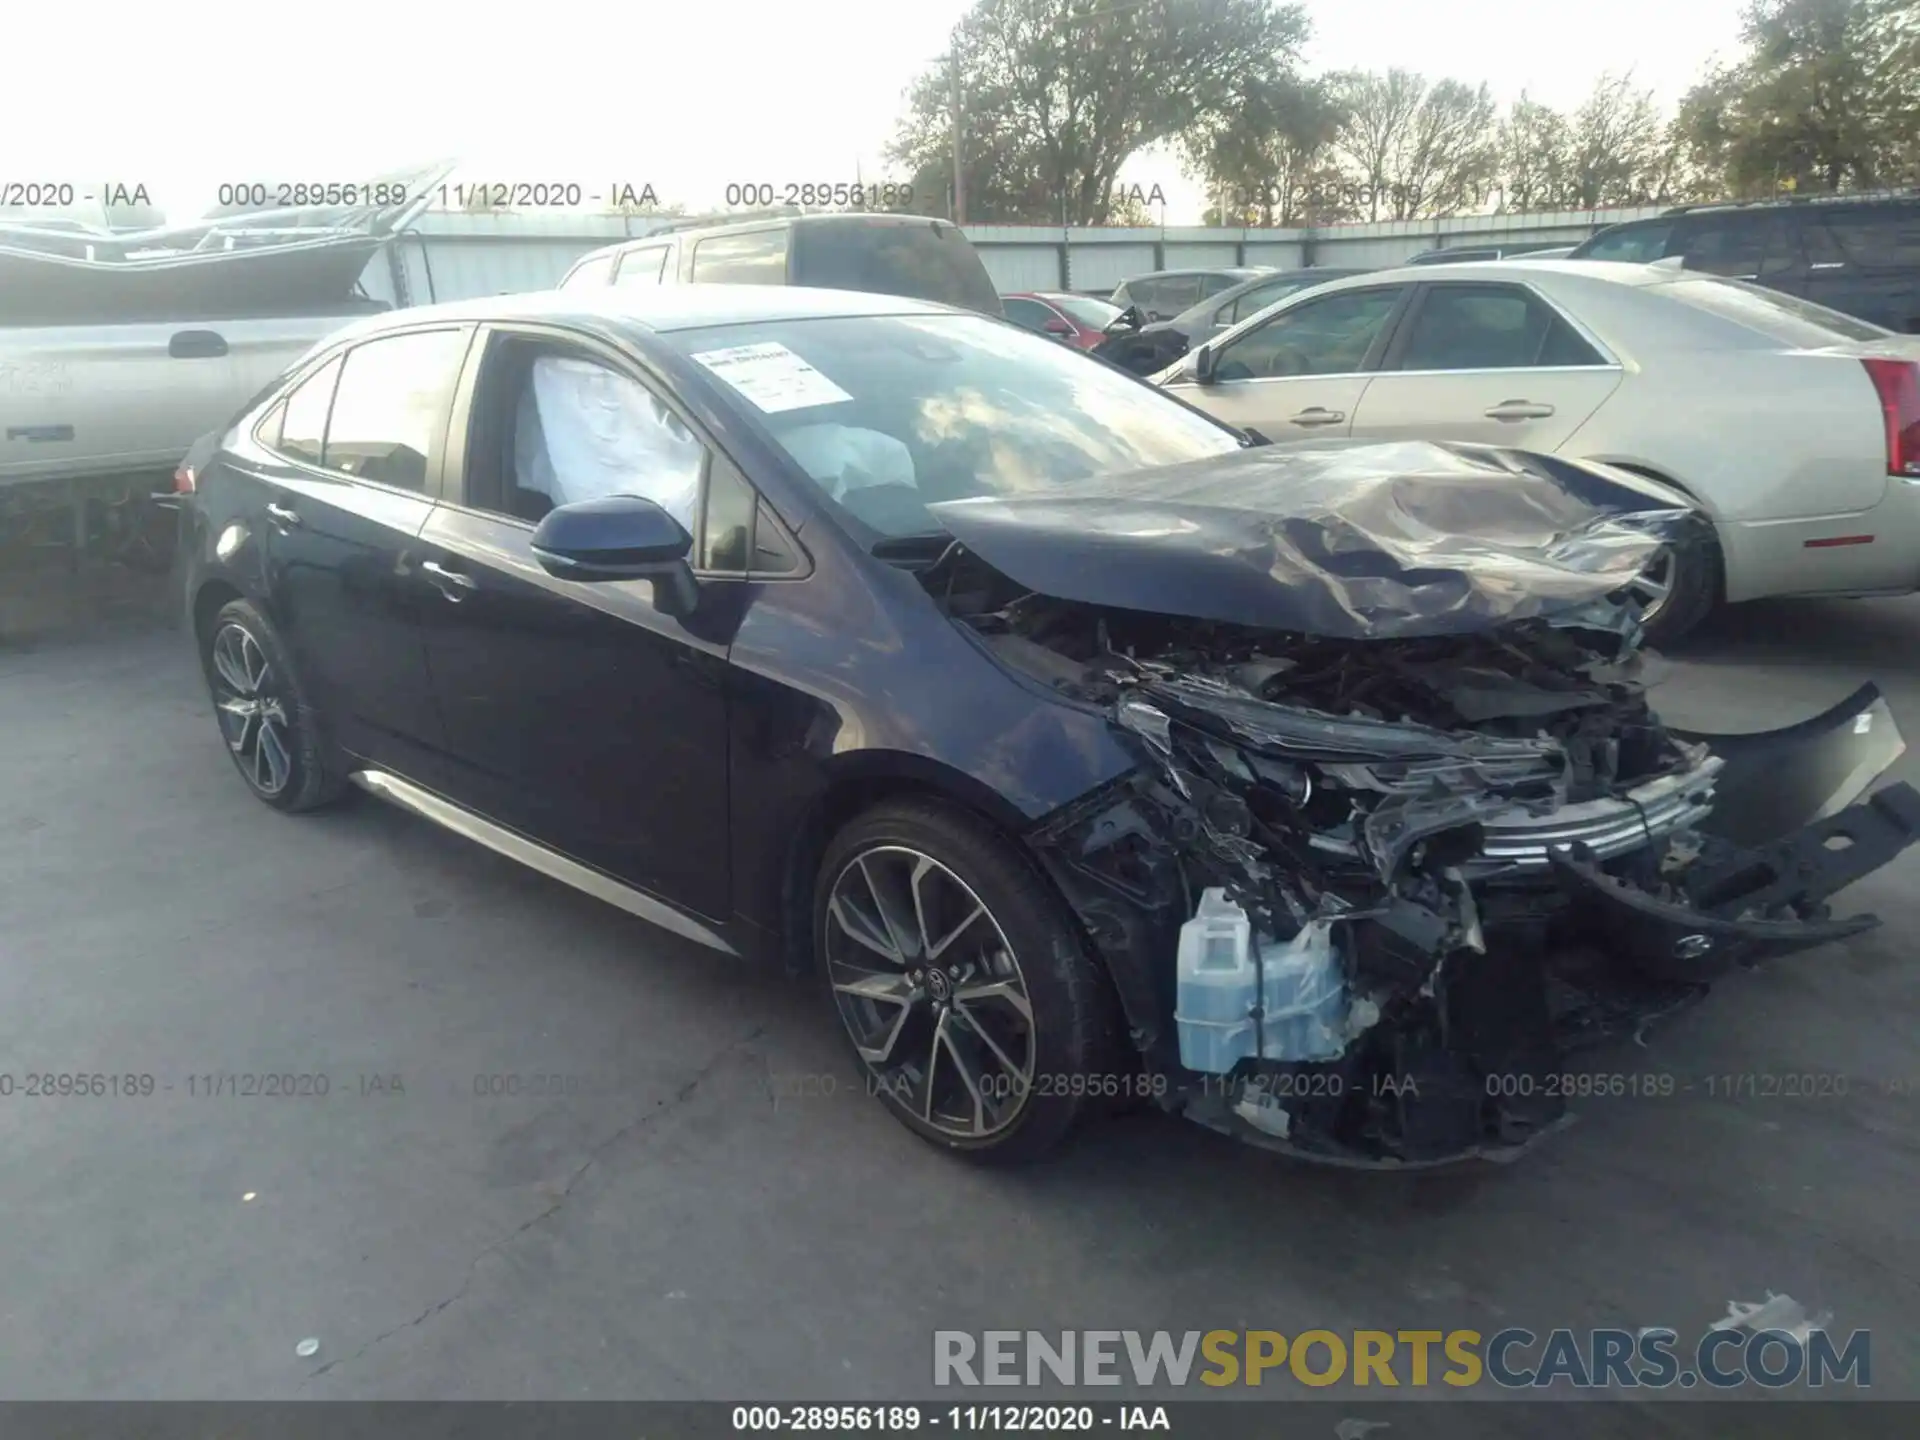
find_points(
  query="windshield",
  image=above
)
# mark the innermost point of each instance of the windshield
(1094, 313)
(919, 259)
(889, 414)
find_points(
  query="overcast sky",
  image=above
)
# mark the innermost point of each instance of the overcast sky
(687, 97)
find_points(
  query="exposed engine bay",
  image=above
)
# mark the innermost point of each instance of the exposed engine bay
(1490, 841)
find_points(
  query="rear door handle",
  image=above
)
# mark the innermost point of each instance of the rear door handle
(1518, 410)
(1319, 415)
(450, 583)
(283, 516)
(197, 345)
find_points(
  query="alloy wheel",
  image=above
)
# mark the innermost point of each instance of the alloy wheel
(930, 991)
(1653, 586)
(251, 709)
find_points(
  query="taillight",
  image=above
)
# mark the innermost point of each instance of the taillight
(183, 479)
(1898, 382)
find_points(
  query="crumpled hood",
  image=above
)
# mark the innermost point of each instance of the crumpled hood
(1336, 538)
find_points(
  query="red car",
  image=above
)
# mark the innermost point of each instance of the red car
(1077, 320)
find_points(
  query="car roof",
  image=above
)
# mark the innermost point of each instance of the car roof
(662, 308)
(1245, 272)
(1606, 271)
(698, 230)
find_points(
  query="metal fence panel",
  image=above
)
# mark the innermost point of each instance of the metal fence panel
(1281, 254)
(1022, 267)
(1101, 267)
(1200, 255)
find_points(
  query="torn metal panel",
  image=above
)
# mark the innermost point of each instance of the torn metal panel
(1337, 539)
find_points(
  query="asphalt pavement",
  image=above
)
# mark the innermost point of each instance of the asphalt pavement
(711, 1208)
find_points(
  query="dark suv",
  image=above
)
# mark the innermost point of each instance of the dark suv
(908, 255)
(1859, 256)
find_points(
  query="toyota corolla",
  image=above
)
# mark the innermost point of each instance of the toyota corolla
(1080, 745)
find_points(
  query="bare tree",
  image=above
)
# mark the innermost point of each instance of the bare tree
(1618, 146)
(1380, 110)
(1450, 156)
(1536, 156)
(1412, 148)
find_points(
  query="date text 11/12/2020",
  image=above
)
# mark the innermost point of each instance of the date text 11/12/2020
(208, 1085)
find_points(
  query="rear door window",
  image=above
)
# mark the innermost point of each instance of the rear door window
(756, 257)
(1257, 299)
(1490, 327)
(1741, 245)
(918, 259)
(1175, 293)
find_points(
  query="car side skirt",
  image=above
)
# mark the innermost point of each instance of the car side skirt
(536, 856)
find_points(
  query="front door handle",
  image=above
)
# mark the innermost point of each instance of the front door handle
(450, 583)
(1319, 415)
(283, 516)
(1518, 410)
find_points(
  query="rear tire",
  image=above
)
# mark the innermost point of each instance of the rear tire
(975, 1012)
(271, 730)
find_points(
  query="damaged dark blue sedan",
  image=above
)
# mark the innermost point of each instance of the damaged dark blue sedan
(1082, 747)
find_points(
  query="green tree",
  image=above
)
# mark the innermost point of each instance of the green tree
(1267, 158)
(1826, 98)
(1059, 94)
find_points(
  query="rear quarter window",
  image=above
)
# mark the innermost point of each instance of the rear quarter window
(1782, 318)
(916, 259)
(753, 257)
(1871, 236)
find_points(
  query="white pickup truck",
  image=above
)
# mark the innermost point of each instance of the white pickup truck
(96, 400)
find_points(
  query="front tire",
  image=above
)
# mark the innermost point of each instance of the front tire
(1677, 591)
(271, 729)
(970, 1000)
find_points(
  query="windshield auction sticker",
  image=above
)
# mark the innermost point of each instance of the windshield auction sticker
(772, 377)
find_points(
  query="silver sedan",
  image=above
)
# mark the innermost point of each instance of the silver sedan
(1796, 428)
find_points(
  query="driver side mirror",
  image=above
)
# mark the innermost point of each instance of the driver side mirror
(1203, 359)
(620, 537)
